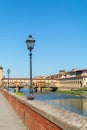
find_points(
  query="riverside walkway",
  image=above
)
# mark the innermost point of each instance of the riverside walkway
(9, 119)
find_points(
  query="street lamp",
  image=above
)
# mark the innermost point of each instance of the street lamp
(8, 72)
(30, 45)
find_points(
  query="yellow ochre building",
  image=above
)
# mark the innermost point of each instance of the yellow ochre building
(73, 79)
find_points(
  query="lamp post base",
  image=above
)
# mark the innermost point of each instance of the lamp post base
(30, 97)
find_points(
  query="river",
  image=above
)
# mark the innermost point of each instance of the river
(76, 104)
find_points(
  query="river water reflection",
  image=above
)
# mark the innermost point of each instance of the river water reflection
(76, 104)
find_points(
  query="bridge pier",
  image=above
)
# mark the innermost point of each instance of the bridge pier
(39, 89)
(17, 89)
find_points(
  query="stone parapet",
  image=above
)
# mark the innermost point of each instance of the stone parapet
(38, 115)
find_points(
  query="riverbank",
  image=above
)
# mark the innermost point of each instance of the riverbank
(73, 92)
(80, 92)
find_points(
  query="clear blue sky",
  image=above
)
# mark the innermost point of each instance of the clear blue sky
(60, 30)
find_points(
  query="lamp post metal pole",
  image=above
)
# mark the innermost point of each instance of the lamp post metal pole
(8, 71)
(30, 45)
(31, 87)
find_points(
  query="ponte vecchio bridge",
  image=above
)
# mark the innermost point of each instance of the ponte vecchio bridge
(38, 84)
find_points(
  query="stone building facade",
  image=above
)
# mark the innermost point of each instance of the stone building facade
(63, 80)
(73, 79)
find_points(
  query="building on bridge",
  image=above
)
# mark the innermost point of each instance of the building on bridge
(63, 80)
(37, 81)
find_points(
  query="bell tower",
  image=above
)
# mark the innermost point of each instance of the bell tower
(1, 73)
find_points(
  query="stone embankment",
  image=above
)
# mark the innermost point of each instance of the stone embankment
(40, 116)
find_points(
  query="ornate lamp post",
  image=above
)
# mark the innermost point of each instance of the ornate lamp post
(30, 45)
(8, 72)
